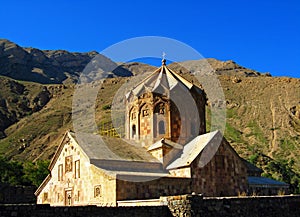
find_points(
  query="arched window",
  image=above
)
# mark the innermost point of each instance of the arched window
(133, 131)
(161, 127)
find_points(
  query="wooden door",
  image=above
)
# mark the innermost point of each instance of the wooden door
(68, 198)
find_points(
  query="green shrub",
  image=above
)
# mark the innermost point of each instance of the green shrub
(17, 173)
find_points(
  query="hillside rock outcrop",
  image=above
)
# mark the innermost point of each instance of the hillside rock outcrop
(47, 66)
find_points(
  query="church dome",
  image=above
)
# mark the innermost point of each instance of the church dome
(165, 105)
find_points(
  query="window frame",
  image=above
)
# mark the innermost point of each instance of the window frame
(60, 172)
(77, 169)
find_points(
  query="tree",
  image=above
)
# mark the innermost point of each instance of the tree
(11, 172)
(35, 173)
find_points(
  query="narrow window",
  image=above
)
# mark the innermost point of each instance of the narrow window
(78, 196)
(60, 172)
(58, 197)
(161, 127)
(77, 169)
(133, 131)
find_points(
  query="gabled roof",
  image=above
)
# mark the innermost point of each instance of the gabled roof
(192, 149)
(163, 80)
(116, 156)
(107, 148)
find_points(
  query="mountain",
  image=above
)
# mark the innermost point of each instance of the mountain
(48, 66)
(228, 67)
(263, 112)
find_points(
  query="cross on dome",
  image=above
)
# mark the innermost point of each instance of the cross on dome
(163, 58)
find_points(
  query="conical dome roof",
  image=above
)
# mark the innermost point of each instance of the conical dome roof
(163, 80)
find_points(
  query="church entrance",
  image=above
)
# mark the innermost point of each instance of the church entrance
(68, 198)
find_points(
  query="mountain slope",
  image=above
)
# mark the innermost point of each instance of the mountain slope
(18, 100)
(262, 116)
(264, 112)
(48, 66)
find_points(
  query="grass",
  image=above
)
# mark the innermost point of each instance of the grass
(257, 132)
(233, 134)
(287, 144)
(231, 113)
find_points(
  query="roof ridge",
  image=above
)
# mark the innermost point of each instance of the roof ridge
(188, 84)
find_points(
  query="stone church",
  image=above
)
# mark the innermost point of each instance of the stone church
(168, 149)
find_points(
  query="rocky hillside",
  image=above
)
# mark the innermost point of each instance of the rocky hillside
(46, 66)
(18, 100)
(262, 114)
(203, 66)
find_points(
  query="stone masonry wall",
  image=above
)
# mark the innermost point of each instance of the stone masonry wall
(132, 190)
(196, 205)
(43, 210)
(224, 175)
(181, 206)
(25, 194)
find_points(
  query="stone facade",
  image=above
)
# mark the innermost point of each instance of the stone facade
(223, 175)
(74, 180)
(152, 189)
(78, 180)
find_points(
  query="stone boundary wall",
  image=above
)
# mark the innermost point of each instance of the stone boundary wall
(181, 206)
(265, 206)
(82, 211)
(17, 194)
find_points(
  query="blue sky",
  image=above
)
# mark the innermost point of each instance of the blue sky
(262, 35)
